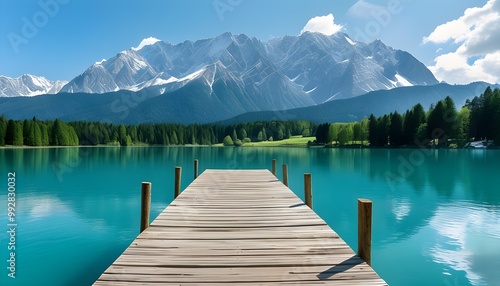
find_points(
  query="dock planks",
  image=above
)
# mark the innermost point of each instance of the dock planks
(238, 227)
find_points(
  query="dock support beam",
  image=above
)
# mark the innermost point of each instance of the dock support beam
(285, 174)
(177, 186)
(308, 190)
(195, 169)
(145, 205)
(274, 167)
(365, 230)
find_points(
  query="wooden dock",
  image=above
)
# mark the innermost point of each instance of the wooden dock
(241, 227)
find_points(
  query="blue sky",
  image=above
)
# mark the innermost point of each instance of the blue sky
(59, 39)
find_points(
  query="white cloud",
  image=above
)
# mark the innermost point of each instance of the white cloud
(322, 24)
(363, 9)
(458, 245)
(146, 42)
(477, 34)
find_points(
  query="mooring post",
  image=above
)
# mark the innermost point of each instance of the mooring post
(274, 167)
(195, 169)
(308, 190)
(145, 205)
(177, 190)
(365, 230)
(285, 174)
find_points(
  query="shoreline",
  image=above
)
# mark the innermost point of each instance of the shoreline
(101, 146)
(243, 146)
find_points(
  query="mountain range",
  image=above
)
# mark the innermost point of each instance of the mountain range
(181, 107)
(235, 76)
(310, 66)
(378, 103)
(28, 85)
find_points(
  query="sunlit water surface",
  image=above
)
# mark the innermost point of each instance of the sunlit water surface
(436, 214)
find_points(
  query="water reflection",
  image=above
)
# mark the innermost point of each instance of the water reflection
(441, 205)
(468, 240)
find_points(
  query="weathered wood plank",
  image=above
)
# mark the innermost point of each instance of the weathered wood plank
(242, 227)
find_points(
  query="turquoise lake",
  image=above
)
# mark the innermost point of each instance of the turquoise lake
(436, 213)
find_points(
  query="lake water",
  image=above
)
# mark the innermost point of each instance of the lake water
(436, 214)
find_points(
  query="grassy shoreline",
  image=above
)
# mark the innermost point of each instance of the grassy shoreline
(294, 141)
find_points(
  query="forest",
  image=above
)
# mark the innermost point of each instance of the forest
(58, 133)
(442, 125)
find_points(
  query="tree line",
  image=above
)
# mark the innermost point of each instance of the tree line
(342, 133)
(58, 133)
(36, 133)
(484, 122)
(441, 125)
(239, 134)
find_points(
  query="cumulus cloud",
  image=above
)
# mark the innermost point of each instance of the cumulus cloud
(477, 57)
(322, 24)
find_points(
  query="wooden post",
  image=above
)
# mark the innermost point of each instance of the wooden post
(177, 190)
(365, 230)
(285, 174)
(308, 190)
(274, 167)
(195, 169)
(145, 205)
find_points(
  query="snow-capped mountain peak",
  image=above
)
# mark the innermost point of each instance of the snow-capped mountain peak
(28, 85)
(312, 66)
(351, 41)
(100, 62)
(146, 42)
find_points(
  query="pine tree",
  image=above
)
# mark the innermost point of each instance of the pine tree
(242, 134)
(383, 130)
(115, 136)
(122, 135)
(173, 139)
(288, 133)
(450, 124)
(396, 130)
(37, 135)
(18, 135)
(63, 134)
(435, 123)
(260, 137)
(133, 133)
(73, 137)
(105, 135)
(166, 139)
(373, 131)
(151, 138)
(3, 130)
(279, 134)
(412, 120)
(128, 140)
(60, 136)
(322, 133)
(495, 120)
(45, 134)
(28, 133)
(234, 137)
